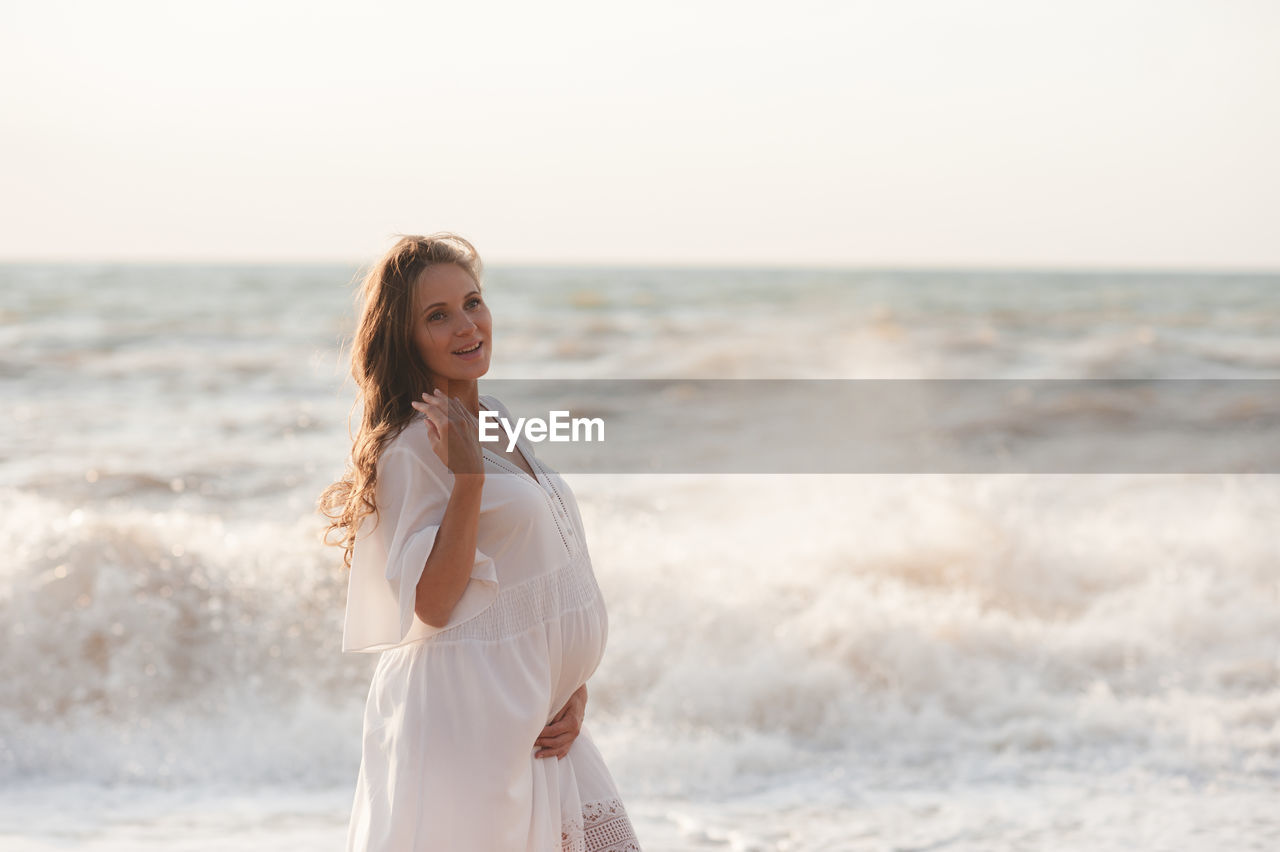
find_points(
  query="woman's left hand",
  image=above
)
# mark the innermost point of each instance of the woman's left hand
(563, 730)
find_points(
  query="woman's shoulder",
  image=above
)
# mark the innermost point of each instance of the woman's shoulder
(412, 440)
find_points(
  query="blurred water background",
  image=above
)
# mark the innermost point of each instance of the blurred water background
(795, 662)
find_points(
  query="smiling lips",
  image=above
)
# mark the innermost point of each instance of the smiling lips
(472, 350)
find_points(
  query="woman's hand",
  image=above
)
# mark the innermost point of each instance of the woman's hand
(563, 730)
(455, 433)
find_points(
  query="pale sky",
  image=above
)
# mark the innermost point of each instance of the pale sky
(896, 132)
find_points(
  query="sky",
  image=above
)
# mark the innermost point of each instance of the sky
(1125, 133)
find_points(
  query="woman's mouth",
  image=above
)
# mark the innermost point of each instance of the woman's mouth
(471, 352)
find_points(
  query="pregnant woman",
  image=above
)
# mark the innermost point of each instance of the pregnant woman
(470, 575)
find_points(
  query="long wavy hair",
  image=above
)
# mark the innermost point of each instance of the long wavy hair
(388, 371)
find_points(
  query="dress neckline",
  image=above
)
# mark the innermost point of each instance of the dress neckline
(535, 479)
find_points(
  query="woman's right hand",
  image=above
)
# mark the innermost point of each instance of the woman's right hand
(455, 433)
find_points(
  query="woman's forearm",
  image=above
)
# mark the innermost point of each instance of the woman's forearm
(444, 577)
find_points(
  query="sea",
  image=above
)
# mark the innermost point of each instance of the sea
(809, 661)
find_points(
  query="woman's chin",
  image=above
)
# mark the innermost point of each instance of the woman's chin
(470, 374)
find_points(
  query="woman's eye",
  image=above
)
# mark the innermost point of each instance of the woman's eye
(438, 315)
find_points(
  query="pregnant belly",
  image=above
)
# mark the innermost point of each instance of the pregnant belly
(578, 642)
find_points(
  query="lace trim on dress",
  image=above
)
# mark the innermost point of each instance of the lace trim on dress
(537, 483)
(604, 827)
(518, 608)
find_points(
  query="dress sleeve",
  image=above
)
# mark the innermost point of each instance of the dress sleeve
(390, 553)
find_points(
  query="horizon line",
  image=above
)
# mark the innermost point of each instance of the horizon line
(853, 266)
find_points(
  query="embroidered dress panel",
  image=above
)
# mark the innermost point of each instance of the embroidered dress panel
(604, 827)
(535, 601)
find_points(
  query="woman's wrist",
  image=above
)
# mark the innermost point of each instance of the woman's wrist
(468, 482)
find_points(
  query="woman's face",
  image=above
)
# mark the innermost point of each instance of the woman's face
(450, 315)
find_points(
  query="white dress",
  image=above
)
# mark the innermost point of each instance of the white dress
(447, 762)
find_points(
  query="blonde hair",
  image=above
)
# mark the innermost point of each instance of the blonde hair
(388, 371)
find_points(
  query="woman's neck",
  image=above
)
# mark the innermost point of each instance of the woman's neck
(465, 392)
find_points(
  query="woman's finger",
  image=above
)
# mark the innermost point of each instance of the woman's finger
(561, 741)
(426, 404)
(547, 735)
(422, 408)
(558, 752)
(426, 415)
(436, 405)
(568, 724)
